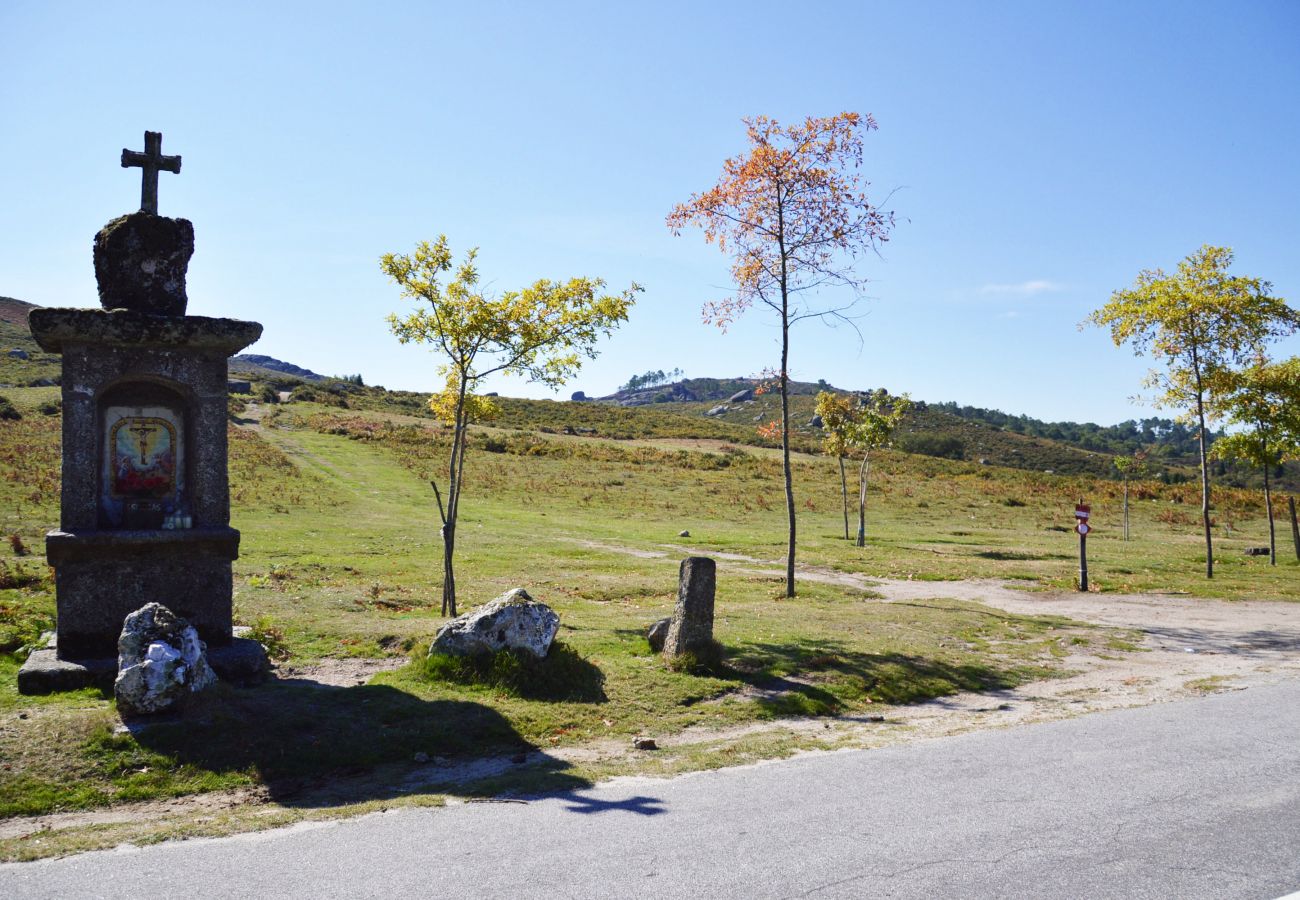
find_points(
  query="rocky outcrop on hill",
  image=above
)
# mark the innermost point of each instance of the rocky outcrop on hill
(275, 365)
(666, 393)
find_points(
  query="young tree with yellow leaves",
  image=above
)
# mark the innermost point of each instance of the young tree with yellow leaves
(1134, 466)
(859, 425)
(794, 215)
(542, 333)
(837, 415)
(1200, 321)
(1265, 399)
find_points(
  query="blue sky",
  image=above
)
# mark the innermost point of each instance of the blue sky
(1038, 154)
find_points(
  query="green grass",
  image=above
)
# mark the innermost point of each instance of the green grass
(341, 557)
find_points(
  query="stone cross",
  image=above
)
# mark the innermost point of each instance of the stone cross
(152, 162)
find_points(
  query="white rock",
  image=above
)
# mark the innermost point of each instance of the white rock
(161, 660)
(512, 621)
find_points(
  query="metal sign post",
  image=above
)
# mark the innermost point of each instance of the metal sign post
(1081, 514)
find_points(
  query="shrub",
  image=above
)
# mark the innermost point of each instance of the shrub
(7, 410)
(562, 675)
(267, 632)
(937, 445)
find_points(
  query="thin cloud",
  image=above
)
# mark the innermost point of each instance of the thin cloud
(1024, 288)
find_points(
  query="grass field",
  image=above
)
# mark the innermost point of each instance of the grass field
(341, 559)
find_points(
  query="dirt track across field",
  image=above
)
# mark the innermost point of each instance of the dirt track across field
(1187, 645)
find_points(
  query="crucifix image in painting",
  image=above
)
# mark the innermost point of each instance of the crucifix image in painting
(144, 458)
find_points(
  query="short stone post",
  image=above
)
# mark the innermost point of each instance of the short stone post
(691, 629)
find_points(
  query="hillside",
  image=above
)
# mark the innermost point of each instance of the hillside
(22, 362)
(703, 408)
(15, 311)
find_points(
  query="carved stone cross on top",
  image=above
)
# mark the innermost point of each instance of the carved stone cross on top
(152, 161)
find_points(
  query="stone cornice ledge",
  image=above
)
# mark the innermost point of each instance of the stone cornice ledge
(54, 328)
(61, 546)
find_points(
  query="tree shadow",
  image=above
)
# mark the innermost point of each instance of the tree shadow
(642, 806)
(822, 677)
(322, 745)
(1256, 644)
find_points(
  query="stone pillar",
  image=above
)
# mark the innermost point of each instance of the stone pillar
(691, 629)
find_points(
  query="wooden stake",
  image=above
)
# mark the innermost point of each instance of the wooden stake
(1295, 528)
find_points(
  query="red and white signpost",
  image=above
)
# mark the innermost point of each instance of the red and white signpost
(1081, 514)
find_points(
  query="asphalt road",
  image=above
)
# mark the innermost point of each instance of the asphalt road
(1192, 799)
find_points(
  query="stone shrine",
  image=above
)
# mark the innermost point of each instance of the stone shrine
(145, 513)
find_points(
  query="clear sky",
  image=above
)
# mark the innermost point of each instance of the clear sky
(1038, 154)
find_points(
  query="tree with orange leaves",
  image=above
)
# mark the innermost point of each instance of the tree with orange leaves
(794, 215)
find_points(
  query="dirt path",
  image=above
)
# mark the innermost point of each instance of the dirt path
(1187, 645)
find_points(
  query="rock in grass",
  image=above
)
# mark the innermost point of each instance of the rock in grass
(656, 634)
(160, 661)
(645, 744)
(513, 621)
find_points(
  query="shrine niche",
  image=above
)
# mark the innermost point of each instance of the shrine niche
(145, 505)
(143, 479)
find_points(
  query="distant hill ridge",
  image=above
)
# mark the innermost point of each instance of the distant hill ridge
(275, 365)
(15, 311)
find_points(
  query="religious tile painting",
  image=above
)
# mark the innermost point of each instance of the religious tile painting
(144, 458)
(144, 453)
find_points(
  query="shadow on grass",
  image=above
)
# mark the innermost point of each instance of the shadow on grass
(1019, 555)
(563, 675)
(314, 746)
(821, 678)
(824, 677)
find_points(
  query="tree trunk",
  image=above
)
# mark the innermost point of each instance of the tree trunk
(448, 572)
(1205, 473)
(785, 394)
(785, 450)
(1295, 527)
(863, 471)
(1272, 531)
(1126, 507)
(455, 471)
(844, 493)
